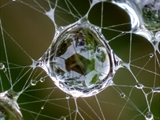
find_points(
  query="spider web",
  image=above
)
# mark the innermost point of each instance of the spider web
(27, 29)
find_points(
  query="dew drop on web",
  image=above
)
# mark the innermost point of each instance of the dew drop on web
(33, 82)
(139, 86)
(149, 116)
(2, 67)
(122, 95)
(79, 60)
(42, 107)
(42, 79)
(151, 55)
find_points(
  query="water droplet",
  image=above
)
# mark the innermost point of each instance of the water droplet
(42, 79)
(122, 95)
(34, 82)
(67, 97)
(42, 107)
(63, 118)
(139, 86)
(2, 66)
(151, 55)
(149, 116)
(80, 60)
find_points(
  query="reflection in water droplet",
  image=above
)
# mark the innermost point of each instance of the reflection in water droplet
(150, 14)
(79, 60)
(157, 36)
(149, 116)
(33, 82)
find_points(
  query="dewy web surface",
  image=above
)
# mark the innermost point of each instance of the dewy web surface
(31, 44)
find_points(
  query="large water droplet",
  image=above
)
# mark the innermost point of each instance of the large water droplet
(79, 60)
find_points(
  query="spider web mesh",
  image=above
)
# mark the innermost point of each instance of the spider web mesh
(27, 29)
